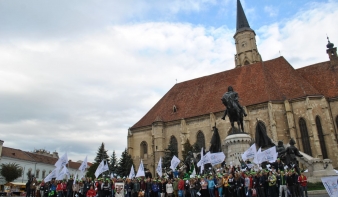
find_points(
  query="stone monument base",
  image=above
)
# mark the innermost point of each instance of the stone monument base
(234, 146)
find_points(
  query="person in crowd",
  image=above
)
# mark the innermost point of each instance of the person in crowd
(154, 189)
(211, 186)
(148, 187)
(204, 187)
(169, 188)
(175, 187)
(42, 188)
(272, 184)
(59, 189)
(75, 188)
(91, 192)
(281, 178)
(302, 180)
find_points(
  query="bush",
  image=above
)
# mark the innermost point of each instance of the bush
(315, 186)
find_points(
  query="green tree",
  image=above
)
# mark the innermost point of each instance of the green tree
(101, 154)
(113, 162)
(92, 169)
(124, 164)
(168, 155)
(10, 171)
(187, 147)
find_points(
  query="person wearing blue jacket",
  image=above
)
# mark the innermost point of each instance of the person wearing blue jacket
(211, 187)
(155, 189)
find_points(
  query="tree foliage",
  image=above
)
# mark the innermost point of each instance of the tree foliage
(187, 147)
(113, 162)
(92, 169)
(168, 155)
(124, 164)
(101, 154)
(10, 171)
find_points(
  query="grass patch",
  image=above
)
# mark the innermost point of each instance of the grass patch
(315, 186)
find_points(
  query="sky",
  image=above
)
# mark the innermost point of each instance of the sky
(74, 74)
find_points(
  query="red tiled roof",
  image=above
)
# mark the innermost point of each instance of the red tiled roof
(323, 77)
(273, 80)
(28, 156)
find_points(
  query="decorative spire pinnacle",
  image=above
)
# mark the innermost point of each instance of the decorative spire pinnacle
(242, 22)
(329, 44)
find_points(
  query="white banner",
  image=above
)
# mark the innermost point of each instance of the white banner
(159, 168)
(269, 155)
(62, 161)
(140, 171)
(99, 169)
(331, 185)
(84, 165)
(64, 172)
(51, 175)
(206, 159)
(216, 158)
(256, 156)
(174, 162)
(250, 153)
(132, 173)
(105, 167)
(201, 162)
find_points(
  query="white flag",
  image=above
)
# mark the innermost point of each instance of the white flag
(201, 162)
(140, 171)
(256, 161)
(159, 168)
(99, 169)
(105, 167)
(84, 165)
(132, 173)
(51, 175)
(74, 179)
(112, 175)
(216, 158)
(174, 162)
(64, 172)
(62, 161)
(330, 183)
(250, 153)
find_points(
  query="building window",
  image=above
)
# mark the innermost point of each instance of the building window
(173, 143)
(200, 139)
(321, 137)
(43, 173)
(29, 173)
(305, 137)
(143, 149)
(37, 173)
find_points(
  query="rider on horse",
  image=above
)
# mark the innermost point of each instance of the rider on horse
(231, 98)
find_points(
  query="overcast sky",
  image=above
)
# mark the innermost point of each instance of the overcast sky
(74, 74)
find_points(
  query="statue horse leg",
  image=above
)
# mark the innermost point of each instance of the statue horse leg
(232, 125)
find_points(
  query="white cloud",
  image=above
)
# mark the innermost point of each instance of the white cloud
(271, 10)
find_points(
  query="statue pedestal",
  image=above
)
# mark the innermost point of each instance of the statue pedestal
(234, 146)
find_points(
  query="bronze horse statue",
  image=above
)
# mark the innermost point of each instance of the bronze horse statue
(233, 109)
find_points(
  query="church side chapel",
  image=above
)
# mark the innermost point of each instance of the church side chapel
(284, 102)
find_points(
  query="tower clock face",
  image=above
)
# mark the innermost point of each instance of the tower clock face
(244, 44)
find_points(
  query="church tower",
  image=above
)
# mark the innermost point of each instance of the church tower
(245, 40)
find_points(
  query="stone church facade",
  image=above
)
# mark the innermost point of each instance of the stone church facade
(290, 103)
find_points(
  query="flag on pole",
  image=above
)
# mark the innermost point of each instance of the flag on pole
(99, 169)
(159, 168)
(51, 175)
(174, 162)
(140, 171)
(75, 179)
(250, 153)
(256, 161)
(105, 167)
(62, 161)
(132, 173)
(64, 172)
(201, 162)
(84, 165)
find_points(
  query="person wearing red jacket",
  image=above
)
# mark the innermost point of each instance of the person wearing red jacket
(59, 189)
(181, 186)
(302, 180)
(91, 192)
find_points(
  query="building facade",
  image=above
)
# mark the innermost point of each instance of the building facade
(290, 103)
(39, 163)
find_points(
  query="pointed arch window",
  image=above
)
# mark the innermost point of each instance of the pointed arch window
(173, 143)
(143, 149)
(200, 139)
(321, 137)
(305, 137)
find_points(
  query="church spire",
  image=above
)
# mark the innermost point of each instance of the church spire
(245, 40)
(242, 22)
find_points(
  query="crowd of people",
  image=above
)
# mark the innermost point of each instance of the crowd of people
(224, 182)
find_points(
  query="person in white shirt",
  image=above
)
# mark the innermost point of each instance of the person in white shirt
(169, 188)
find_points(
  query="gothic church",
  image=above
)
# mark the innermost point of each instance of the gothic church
(290, 103)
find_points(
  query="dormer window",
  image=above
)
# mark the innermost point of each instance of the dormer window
(174, 109)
